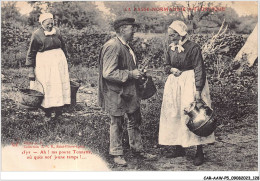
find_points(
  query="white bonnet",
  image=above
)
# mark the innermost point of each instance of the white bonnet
(180, 27)
(45, 16)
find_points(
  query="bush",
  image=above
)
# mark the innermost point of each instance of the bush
(15, 40)
(83, 45)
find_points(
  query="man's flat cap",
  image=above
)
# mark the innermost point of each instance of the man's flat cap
(124, 21)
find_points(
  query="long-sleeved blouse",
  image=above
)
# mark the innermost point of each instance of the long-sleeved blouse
(41, 42)
(190, 58)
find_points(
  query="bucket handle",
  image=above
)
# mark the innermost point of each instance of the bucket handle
(41, 85)
(201, 100)
(34, 81)
(186, 110)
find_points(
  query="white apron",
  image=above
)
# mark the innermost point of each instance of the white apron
(179, 92)
(52, 72)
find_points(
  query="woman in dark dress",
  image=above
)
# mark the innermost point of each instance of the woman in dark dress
(48, 66)
(186, 82)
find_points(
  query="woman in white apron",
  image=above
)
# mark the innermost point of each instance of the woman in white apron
(48, 67)
(186, 82)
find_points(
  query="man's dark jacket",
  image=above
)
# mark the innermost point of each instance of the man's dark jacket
(118, 92)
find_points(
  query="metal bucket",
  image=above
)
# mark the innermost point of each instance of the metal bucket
(201, 121)
(74, 86)
(148, 88)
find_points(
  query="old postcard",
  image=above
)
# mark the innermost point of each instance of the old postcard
(133, 86)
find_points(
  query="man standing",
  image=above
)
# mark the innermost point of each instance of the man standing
(118, 89)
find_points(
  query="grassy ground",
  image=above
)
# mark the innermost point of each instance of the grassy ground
(85, 124)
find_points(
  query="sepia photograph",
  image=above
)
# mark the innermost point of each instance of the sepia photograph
(130, 86)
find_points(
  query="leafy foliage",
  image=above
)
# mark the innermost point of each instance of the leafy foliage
(83, 45)
(10, 12)
(15, 41)
(75, 14)
(33, 19)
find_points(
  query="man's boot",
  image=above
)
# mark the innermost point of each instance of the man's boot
(119, 160)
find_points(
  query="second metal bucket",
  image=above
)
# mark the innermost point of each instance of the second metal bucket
(74, 86)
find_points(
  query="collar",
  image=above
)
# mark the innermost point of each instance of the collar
(52, 32)
(179, 45)
(182, 42)
(129, 48)
(122, 41)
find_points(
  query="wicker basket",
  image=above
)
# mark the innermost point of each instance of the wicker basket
(28, 98)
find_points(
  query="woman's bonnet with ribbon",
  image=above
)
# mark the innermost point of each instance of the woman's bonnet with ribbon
(181, 28)
(43, 17)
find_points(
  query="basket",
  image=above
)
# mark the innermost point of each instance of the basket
(74, 86)
(28, 98)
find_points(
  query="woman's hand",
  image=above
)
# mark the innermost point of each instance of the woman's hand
(176, 72)
(136, 74)
(31, 74)
(198, 96)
